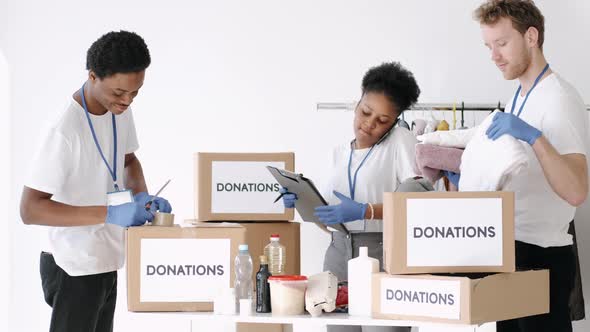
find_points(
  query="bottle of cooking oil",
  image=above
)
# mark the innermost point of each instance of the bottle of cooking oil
(276, 254)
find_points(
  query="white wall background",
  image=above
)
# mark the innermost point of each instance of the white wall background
(4, 192)
(245, 76)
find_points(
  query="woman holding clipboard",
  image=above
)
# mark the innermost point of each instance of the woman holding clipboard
(377, 160)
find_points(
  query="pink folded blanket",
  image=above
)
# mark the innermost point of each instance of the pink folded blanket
(432, 159)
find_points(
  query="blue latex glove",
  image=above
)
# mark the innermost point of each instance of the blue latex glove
(507, 123)
(158, 203)
(288, 198)
(347, 210)
(128, 214)
(453, 177)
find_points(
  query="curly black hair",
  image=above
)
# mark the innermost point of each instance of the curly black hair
(117, 52)
(395, 82)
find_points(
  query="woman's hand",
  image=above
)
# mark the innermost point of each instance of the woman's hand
(288, 198)
(348, 210)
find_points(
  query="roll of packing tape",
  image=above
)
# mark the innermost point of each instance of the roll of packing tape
(163, 219)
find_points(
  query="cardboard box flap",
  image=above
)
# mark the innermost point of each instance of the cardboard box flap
(494, 295)
(179, 231)
(240, 156)
(455, 194)
(200, 224)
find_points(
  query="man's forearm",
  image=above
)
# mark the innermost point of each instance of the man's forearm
(50, 213)
(567, 174)
(134, 179)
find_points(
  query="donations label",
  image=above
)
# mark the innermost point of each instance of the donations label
(244, 187)
(454, 232)
(421, 297)
(183, 270)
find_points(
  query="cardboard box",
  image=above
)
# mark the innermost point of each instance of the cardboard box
(258, 236)
(440, 232)
(460, 299)
(180, 268)
(238, 186)
(260, 327)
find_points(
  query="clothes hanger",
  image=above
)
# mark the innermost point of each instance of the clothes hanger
(463, 116)
(402, 122)
(431, 124)
(454, 115)
(443, 124)
(419, 124)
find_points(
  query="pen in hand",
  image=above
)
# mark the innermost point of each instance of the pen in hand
(149, 203)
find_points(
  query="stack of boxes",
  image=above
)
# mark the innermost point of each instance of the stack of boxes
(237, 187)
(185, 268)
(449, 257)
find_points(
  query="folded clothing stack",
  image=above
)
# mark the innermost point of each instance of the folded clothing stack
(432, 159)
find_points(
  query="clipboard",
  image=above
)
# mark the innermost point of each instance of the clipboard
(308, 197)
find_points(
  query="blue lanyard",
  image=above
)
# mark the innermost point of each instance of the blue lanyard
(351, 182)
(527, 94)
(113, 171)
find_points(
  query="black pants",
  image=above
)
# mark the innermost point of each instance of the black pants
(84, 303)
(560, 262)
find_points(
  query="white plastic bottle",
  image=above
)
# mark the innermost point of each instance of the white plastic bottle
(276, 254)
(360, 270)
(243, 270)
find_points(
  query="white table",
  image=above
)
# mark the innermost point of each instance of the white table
(307, 323)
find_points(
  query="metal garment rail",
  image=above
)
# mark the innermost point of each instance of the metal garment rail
(424, 107)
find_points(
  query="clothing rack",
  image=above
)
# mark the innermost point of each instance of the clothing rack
(462, 106)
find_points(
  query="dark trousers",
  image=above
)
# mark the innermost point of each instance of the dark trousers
(560, 262)
(84, 303)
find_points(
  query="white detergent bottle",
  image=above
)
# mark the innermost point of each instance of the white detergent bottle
(360, 272)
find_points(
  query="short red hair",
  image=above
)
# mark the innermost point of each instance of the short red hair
(523, 14)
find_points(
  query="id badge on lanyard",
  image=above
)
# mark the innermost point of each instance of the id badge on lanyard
(119, 197)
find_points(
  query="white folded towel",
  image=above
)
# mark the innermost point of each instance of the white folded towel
(449, 139)
(488, 165)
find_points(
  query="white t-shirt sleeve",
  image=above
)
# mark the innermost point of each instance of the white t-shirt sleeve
(405, 158)
(52, 164)
(132, 142)
(565, 126)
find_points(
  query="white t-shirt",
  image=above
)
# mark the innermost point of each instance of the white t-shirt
(391, 162)
(68, 165)
(557, 110)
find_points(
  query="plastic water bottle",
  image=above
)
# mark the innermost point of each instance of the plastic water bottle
(360, 272)
(243, 270)
(276, 254)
